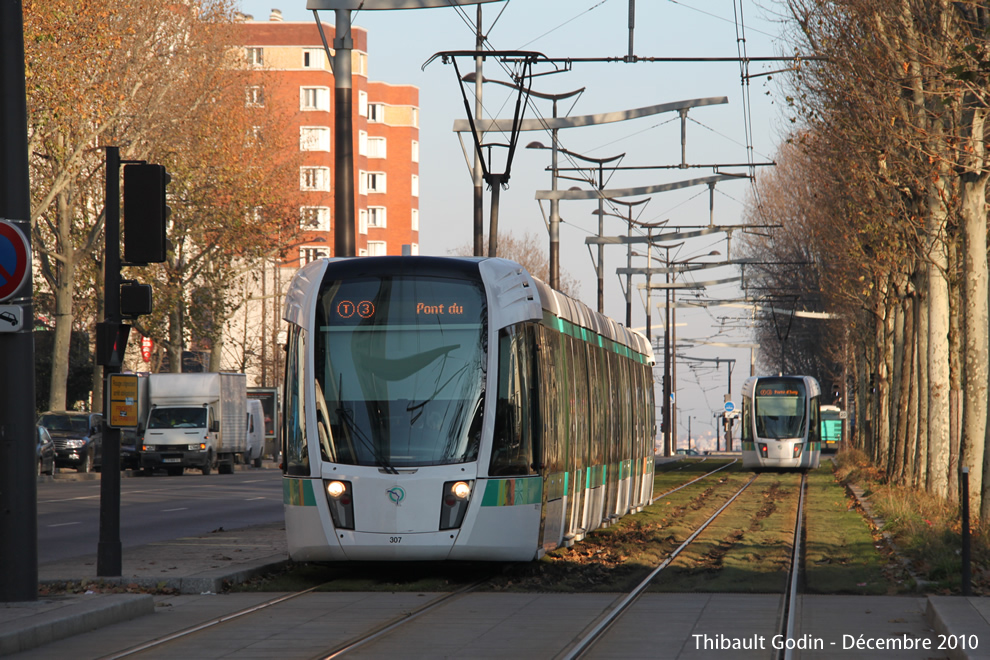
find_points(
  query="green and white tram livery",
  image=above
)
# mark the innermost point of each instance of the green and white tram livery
(456, 409)
(781, 426)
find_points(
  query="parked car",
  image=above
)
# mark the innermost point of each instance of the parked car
(78, 439)
(129, 457)
(688, 452)
(46, 451)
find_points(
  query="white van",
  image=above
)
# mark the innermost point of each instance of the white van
(255, 432)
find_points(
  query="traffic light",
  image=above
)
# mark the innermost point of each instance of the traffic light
(111, 342)
(135, 299)
(145, 213)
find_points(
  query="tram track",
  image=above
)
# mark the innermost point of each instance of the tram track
(685, 485)
(596, 631)
(788, 615)
(437, 611)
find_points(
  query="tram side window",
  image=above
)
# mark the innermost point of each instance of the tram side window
(599, 396)
(815, 423)
(296, 456)
(747, 419)
(512, 448)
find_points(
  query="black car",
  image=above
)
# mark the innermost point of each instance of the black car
(129, 457)
(46, 451)
(78, 439)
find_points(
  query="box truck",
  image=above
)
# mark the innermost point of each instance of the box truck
(195, 420)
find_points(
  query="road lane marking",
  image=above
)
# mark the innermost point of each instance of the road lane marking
(181, 508)
(251, 499)
(65, 524)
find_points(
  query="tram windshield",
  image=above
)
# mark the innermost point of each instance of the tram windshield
(400, 370)
(780, 408)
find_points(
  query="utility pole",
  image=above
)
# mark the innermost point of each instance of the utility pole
(476, 172)
(18, 487)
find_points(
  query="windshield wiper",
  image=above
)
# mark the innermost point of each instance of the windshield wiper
(345, 415)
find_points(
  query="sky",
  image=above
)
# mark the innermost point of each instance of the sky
(746, 129)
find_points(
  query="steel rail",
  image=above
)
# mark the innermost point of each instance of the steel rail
(626, 602)
(674, 490)
(790, 600)
(208, 624)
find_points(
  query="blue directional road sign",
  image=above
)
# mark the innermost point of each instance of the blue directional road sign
(729, 406)
(15, 259)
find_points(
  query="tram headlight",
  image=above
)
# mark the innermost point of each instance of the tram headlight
(454, 503)
(341, 503)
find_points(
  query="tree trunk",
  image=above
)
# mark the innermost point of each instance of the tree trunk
(904, 357)
(65, 279)
(175, 345)
(938, 344)
(96, 402)
(975, 355)
(921, 356)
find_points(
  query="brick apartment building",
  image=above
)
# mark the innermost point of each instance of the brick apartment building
(294, 73)
(386, 132)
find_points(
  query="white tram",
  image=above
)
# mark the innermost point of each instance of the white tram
(780, 422)
(448, 408)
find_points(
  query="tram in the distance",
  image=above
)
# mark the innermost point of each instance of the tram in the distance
(781, 426)
(456, 408)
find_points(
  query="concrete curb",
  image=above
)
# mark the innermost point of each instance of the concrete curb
(36, 628)
(954, 616)
(207, 582)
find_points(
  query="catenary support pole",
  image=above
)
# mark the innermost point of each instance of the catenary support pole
(343, 43)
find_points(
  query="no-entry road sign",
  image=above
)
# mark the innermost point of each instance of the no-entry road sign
(15, 259)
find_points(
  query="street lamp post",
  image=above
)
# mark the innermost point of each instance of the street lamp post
(673, 336)
(600, 162)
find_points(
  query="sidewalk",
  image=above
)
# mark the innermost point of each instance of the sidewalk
(192, 565)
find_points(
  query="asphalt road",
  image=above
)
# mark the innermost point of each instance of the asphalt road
(154, 509)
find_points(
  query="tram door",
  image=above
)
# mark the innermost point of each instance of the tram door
(553, 441)
(579, 436)
(612, 437)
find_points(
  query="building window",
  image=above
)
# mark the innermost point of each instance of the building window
(376, 216)
(314, 218)
(362, 222)
(314, 58)
(314, 98)
(308, 253)
(376, 112)
(255, 56)
(314, 178)
(375, 182)
(362, 143)
(414, 249)
(415, 117)
(362, 252)
(363, 104)
(254, 136)
(314, 138)
(415, 185)
(414, 220)
(362, 64)
(376, 147)
(254, 96)
(377, 249)
(415, 151)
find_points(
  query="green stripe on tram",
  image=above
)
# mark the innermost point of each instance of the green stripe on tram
(565, 327)
(298, 492)
(513, 492)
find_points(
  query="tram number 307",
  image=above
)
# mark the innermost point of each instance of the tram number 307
(395, 539)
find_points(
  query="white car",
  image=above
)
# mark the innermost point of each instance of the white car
(255, 432)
